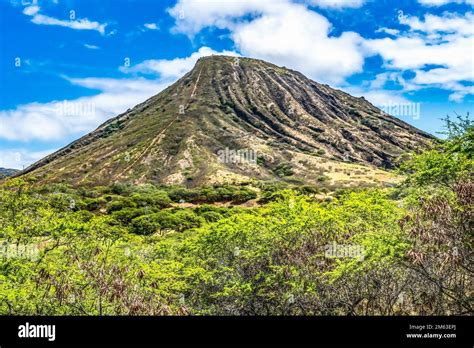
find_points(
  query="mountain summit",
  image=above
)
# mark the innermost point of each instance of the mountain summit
(231, 120)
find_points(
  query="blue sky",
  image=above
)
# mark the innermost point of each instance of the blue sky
(66, 66)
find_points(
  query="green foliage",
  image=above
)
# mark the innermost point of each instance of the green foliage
(158, 199)
(226, 193)
(134, 250)
(120, 189)
(322, 178)
(178, 220)
(125, 216)
(118, 203)
(284, 169)
(145, 225)
(211, 216)
(450, 162)
(307, 190)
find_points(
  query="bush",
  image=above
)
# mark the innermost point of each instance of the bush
(177, 194)
(121, 189)
(211, 216)
(449, 163)
(145, 225)
(414, 249)
(92, 204)
(126, 215)
(284, 169)
(212, 194)
(180, 220)
(307, 190)
(157, 198)
(118, 203)
(322, 178)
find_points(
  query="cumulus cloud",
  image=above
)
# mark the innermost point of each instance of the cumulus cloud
(389, 31)
(21, 158)
(337, 4)
(151, 26)
(300, 39)
(437, 49)
(80, 24)
(278, 31)
(61, 118)
(434, 48)
(58, 119)
(194, 15)
(437, 3)
(448, 23)
(173, 68)
(31, 10)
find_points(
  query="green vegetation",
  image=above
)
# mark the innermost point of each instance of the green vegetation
(284, 169)
(320, 152)
(129, 250)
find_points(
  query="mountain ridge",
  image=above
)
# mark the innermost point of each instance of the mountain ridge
(234, 103)
(5, 172)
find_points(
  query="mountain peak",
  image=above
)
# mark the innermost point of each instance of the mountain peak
(205, 127)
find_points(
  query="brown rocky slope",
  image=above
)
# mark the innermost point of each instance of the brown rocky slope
(233, 120)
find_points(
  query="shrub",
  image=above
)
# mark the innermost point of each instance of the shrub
(118, 203)
(284, 169)
(120, 189)
(126, 215)
(157, 198)
(212, 194)
(180, 220)
(145, 225)
(211, 216)
(322, 178)
(320, 152)
(92, 204)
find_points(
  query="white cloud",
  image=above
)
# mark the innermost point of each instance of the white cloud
(412, 52)
(21, 158)
(58, 119)
(278, 31)
(91, 47)
(388, 31)
(437, 3)
(174, 68)
(448, 23)
(299, 38)
(337, 4)
(194, 15)
(79, 24)
(460, 91)
(439, 50)
(31, 10)
(151, 26)
(381, 97)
